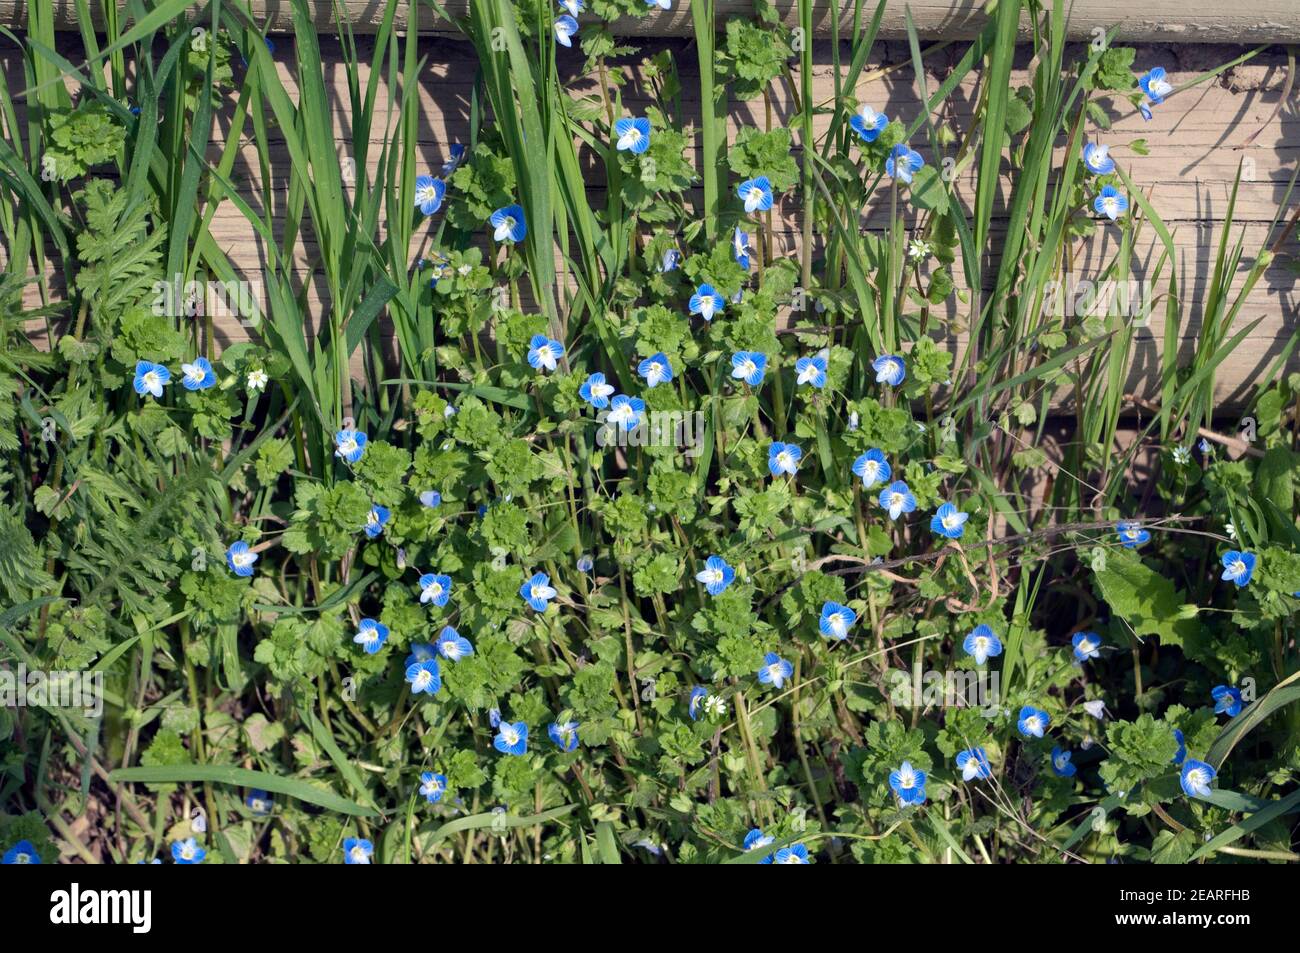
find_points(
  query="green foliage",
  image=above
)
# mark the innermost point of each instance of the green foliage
(119, 510)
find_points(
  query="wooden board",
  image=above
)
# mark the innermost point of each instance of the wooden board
(1179, 21)
(1195, 142)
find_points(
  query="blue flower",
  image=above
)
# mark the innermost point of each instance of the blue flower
(625, 412)
(375, 520)
(431, 499)
(698, 694)
(1062, 766)
(573, 6)
(429, 193)
(511, 738)
(1181, 753)
(794, 854)
(775, 670)
(633, 135)
(357, 851)
(509, 224)
(706, 302)
(420, 652)
(716, 575)
(656, 370)
(740, 248)
(371, 635)
(973, 764)
(1155, 85)
(868, 123)
(671, 260)
(21, 853)
(188, 851)
(433, 786)
(897, 499)
(903, 163)
(452, 645)
(435, 589)
(240, 558)
(1131, 534)
(749, 366)
(1086, 645)
(757, 840)
(981, 643)
(783, 458)
(457, 153)
(949, 521)
(584, 563)
(424, 676)
(494, 717)
(756, 194)
(349, 445)
(595, 391)
(890, 369)
(1097, 158)
(150, 378)
(259, 802)
(1227, 700)
(564, 734)
(836, 620)
(1196, 777)
(872, 467)
(538, 592)
(565, 29)
(1110, 203)
(908, 783)
(199, 375)
(1238, 567)
(544, 352)
(661, 4)
(811, 370)
(1033, 721)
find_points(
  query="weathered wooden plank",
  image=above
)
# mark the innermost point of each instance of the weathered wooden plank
(1181, 21)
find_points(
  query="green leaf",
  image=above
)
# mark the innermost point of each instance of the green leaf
(241, 777)
(929, 191)
(1144, 598)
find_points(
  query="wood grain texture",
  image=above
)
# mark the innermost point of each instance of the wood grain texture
(1195, 142)
(1181, 21)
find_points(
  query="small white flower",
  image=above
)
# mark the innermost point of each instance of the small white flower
(918, 250)
(1182, 455)
(715, 705)
(1096, 708)
(1230, 530)
(257, 379)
